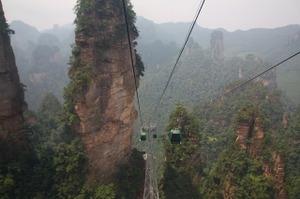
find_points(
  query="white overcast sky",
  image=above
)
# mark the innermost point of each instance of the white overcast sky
(228, 14)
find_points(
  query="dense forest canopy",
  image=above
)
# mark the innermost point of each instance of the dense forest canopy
(212, 163)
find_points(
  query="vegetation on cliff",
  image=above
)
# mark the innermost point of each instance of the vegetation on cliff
(236, 174)
(104, 35)
(15, 154)
(183, 163)
(56, 165)
(291, 150)
(53, 167)
(224, 168)
(4, 27)
(59, 164)
(232, 170)
(99, 35)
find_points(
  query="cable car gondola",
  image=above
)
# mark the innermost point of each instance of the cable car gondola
(143, 135)
(175, 136)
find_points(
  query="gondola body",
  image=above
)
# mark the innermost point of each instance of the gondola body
(175, 136)
(143, 136)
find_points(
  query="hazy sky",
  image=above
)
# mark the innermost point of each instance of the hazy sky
(229, 14)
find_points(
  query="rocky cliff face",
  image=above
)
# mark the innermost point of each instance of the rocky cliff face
(11, 91)
(105, 106)
(269, 80)
(250, 137)
(279, 175)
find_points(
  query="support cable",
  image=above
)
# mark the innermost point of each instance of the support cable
(179, 56)
(132, 61)
(260, 74)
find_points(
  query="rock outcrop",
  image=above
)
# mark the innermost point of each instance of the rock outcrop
(105, 108)
(279, 176)
(269, 80)
(11, 90)
(250, 137)
(217, 46)
(243, 134)
(285, 120)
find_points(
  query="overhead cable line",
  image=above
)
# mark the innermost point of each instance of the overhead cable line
(131, 59)
(194, 19)
(179, 56)
(260, 74)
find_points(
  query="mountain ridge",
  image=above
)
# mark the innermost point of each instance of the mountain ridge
(158, 44)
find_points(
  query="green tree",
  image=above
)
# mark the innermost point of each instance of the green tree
(183, 160)
(236, 169)
(69, 163)
(130, 178)
(105, 192)
(292, 155)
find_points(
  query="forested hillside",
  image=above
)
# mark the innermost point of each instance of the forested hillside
(241, 146)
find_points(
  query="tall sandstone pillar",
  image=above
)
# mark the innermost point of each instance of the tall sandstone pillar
(11, 91)
(217, 46)
(104, 103)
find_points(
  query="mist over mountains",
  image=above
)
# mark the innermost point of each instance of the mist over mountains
(106, 120)
(42, 57)
(265, 42)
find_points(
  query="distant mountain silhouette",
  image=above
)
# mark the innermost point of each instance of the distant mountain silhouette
(158, 44)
